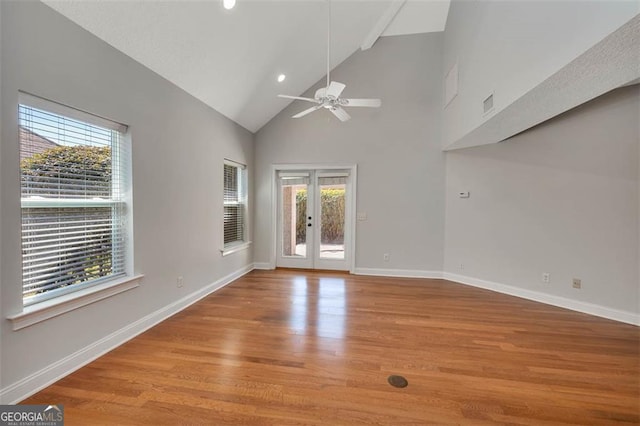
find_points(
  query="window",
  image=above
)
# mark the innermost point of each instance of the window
(235, 204)
(74, 179)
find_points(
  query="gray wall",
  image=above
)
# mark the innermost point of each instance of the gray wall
(1, 193)
(396, 148)
(178, 150)
(510, 47)
(560, 198)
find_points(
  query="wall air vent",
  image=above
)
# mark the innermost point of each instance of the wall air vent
(451, 85)
(488, 104)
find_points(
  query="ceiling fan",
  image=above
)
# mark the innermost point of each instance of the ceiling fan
(329, 97)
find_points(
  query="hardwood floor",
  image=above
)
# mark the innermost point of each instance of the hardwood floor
(301, 347)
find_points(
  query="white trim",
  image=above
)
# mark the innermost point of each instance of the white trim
(234, 164)
(285, 175)
(273, 251)
(263, 266)
(382, 24)
(311, 166)
(22, 389)
(353, 173)
(549, 299)
(235, 247)
(42, 311)
(330, 174)
(243, 201)
(399, 273)
(47, 105)
(353, 217)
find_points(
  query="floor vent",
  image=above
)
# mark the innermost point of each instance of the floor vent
(397, 381)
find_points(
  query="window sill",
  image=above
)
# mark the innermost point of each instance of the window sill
(42, 311)
(234, 248)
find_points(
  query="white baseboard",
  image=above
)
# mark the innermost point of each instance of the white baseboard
(31, 384)
(262, 265)
(400, 273)
(549, 299)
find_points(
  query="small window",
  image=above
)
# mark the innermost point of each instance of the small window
(74, 177)
(235, 203)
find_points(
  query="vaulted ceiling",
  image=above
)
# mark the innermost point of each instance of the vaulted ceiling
(230, 59)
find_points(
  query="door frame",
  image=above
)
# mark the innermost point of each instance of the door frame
(351, 221)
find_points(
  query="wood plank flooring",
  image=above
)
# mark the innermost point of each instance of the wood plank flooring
(301, 347)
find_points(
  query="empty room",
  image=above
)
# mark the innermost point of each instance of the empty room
(322, 212)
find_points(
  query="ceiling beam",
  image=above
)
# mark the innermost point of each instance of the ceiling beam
(382, 23)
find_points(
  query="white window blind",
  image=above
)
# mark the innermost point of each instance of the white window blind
(332, 180)
(294, 178)
(73, 184)
(234, 203)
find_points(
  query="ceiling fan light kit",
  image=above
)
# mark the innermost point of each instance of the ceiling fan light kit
(329, 97)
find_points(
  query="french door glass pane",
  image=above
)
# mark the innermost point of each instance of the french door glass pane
(332, 219)
(294, 224)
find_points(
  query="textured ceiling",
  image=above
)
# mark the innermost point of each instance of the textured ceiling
(230, 59)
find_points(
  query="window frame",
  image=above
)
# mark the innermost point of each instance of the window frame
(242, 200)
(119, 143)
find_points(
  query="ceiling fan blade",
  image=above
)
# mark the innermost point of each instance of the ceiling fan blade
(307, 111)
(340, 113)
(335, 89)
(373, 103)
(298, 98)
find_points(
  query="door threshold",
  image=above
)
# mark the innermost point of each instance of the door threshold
(337, 271)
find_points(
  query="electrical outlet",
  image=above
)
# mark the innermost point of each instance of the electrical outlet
(546, 277)
(577, 283)
(179, 281)
(386, 257)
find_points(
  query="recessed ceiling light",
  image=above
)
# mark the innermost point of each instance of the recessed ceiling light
(228, 4)
(281, 78)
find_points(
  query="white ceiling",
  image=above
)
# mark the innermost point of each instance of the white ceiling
(230, 59)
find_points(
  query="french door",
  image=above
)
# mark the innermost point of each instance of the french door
(314, 223)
